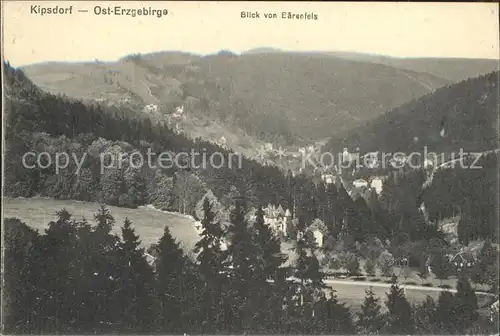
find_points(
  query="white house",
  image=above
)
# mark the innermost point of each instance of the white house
(277, 218)
(428, 163)
(328, 178)
(151, 108)
(360, 183)
(377, 183)
(222, 141)
(494, 311)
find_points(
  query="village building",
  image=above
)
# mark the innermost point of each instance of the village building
(151, 108)
(359, 183)
(151, 260)
(377, 183)
(319, 231)
(222, 141)
(318, 237)
(278, 219)
(428, 163)
(462, 260)
(398, 161)
(328, 178)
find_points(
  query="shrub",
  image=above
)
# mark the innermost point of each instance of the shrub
(445, 286)
(359, 278)
(350, 262)
(375, 280)
(385, 263)
(411, 283)
(334, 264)
(428, 284)
(369, 267)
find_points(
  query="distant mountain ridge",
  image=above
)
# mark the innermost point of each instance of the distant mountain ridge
(451, 69)
(262, 95)
(463, 115)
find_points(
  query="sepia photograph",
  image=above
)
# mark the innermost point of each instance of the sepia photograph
(250, 168)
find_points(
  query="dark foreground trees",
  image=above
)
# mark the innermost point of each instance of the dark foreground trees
(79, 277)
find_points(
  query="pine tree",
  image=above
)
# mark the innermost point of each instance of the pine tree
(103, 263)
(424, 317)
(170, 266)
(270, 261)
(333, 212)
(331, 317)
(210, 259)
(440, 266)
(400, 316)
(307, 268)
(135, 290)
(21, 275)
(370, 319)
(242, 256)
(446, 318)
(485, 270)
(465, 304)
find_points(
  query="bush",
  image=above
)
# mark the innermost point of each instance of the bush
(445, 286)
(428, 284)
(375, 280)
(334, 264)
(350, 262)
(369, 267)
(388, 281)
(411, 283)
(359, 278)
(337, 274)
(385, 263)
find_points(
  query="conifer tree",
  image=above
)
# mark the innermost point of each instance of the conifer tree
(370, 319)
(242, 259)
(333, 214)
(210, 265)
(446, 318)
(170, 287)
(465, 304)
(135, 284)
(307, 267)
(331, 317)
(485, 270)
(400, 316)
(21, 275)
(424, 317)
(270, 267)
(440, 266)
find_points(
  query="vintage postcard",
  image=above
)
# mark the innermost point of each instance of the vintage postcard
(250, 168)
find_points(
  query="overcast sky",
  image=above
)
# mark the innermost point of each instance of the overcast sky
(397, 29)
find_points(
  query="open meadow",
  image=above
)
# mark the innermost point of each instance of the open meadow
(148, 223)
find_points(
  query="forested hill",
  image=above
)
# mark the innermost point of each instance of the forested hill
(463, 115)
(275, 97)
(38, 122)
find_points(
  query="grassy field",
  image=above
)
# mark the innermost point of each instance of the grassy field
(148, 223)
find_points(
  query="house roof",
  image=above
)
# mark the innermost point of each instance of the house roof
(465, 256)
